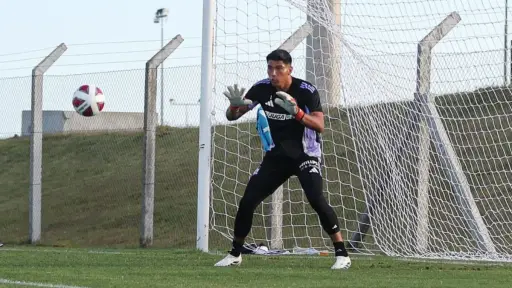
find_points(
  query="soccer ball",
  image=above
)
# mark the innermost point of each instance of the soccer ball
(88, 100)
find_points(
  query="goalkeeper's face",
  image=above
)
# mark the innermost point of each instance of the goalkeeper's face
(279, 73)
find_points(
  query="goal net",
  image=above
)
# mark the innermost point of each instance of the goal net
(416, 149)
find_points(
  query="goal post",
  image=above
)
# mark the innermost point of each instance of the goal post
(205, 127)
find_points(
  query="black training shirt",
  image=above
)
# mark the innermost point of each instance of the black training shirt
(290, 136)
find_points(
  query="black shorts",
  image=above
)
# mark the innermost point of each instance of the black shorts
(274, 170)
(286, 166)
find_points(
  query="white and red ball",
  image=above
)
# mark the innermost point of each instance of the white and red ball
(88, 100)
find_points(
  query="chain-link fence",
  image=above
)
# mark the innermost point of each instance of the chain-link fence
(92, 176)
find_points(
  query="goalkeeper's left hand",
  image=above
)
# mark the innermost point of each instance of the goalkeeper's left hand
(289, 104)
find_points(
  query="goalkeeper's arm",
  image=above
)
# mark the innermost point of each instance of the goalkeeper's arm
(233, 113)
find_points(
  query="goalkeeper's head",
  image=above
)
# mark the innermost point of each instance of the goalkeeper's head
(279, 68)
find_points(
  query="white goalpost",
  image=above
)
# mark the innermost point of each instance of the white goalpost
(417, 125)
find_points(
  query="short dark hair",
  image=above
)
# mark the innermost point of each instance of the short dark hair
(280, 55)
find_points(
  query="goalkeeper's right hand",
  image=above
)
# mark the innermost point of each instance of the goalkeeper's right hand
(235, 95)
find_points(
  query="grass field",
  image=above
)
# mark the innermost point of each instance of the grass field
(181, 268)
(92, 187)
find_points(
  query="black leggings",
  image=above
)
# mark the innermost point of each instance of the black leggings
(272, 173)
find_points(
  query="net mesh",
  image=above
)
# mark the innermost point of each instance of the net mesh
(384, 152)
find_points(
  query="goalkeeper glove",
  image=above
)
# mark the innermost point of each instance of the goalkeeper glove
(234, 96)
(289, 104)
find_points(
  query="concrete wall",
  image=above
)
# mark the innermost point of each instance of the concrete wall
(70, 121)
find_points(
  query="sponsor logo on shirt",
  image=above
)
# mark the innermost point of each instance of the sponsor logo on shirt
(278, 116)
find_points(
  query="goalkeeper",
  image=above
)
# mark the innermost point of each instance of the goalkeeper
(295, 118)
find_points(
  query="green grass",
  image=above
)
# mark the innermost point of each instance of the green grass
(182, 268)
(92, 185)
(92, 188)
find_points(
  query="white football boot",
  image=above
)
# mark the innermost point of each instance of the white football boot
(230, 260)
(342, 262)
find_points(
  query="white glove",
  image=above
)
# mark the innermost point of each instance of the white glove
(234, 96)
(287, 102)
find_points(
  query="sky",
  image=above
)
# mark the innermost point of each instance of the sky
(110, 41)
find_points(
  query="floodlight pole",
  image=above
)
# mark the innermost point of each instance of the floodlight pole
(160, 14)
